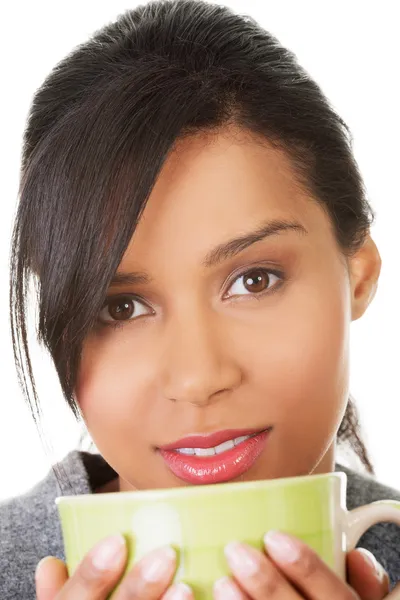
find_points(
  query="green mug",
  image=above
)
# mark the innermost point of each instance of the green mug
(198, 521)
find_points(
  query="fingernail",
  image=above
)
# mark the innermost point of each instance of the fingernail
(281, 547)
(371, 560)
(241, 560)
(178, 591)
(225, 589)
(40, 563)
(108, 553)
(158, 564)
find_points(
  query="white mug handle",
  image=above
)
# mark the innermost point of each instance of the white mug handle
(362, 518)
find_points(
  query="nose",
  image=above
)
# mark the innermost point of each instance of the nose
(198, 363)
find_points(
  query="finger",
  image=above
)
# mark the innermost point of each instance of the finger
(305, 569)
(150, 577)
(366, 575)
(98, 573)
(256, 574)
(226, 588)
(178, 591)
(51, 574)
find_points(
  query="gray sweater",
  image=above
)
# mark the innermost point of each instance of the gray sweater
(30, 529)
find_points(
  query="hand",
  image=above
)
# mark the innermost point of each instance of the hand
(292, 571)
(100, 570)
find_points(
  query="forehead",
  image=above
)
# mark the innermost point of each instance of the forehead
(216, 186)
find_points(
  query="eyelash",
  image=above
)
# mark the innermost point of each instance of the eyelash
(263, 270)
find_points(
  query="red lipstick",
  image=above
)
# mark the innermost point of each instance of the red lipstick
(225, 456)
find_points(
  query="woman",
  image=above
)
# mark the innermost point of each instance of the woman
(196, 223)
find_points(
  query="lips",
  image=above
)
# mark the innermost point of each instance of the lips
(217, 468)
(209, 440)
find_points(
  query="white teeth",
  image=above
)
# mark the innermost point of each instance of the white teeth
(225, 446)
(212, 451)
(238, 440)
(204, 451)
(186, 450)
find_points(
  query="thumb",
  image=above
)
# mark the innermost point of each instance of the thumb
(366, 576)
(51, 575)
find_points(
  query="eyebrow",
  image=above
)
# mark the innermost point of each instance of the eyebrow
(222, 252)
(233, 247)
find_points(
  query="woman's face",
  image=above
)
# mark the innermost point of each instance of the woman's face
(238, 319)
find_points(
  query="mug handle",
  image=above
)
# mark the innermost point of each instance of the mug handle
(362, 518)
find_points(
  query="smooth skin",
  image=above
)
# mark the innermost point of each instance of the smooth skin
(247, 339)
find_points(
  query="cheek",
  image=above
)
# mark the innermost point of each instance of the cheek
(299, 358)
(297, 364)
(111, 388)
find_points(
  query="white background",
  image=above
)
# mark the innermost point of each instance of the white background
(350, 48)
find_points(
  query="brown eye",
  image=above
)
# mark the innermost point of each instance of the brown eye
(255, 282)
(122, 308)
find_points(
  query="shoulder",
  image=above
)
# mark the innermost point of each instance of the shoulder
(383, 540)
(363, 489)
(30, 530)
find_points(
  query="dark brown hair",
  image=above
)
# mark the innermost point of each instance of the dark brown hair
(99, 130)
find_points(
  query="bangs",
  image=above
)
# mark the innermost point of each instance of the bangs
(85, 189)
